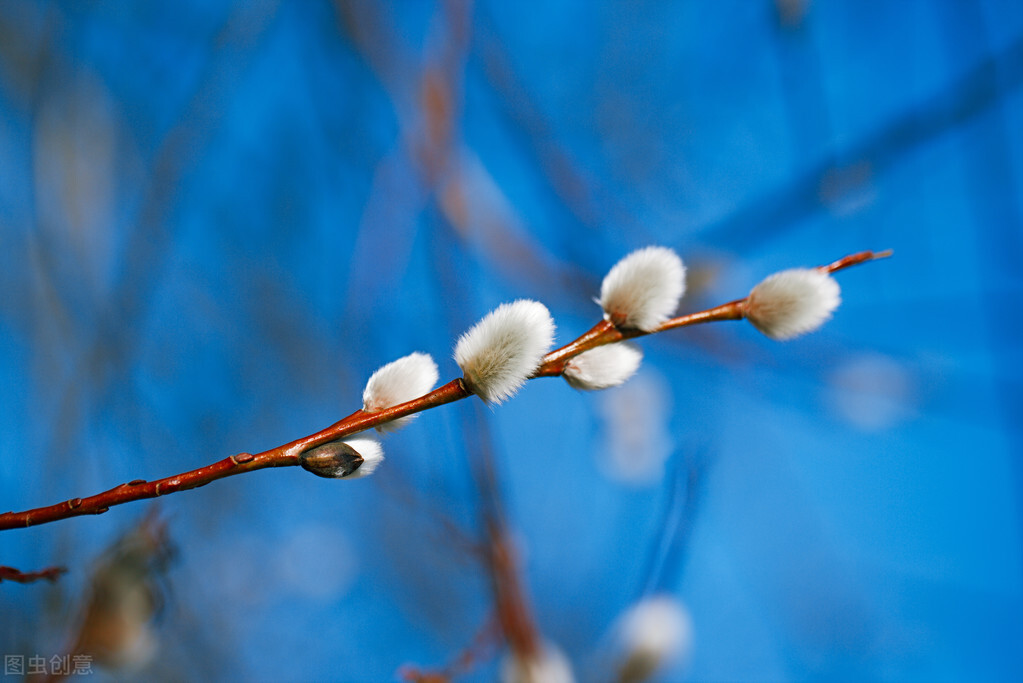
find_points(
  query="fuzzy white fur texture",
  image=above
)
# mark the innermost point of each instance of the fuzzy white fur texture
(643, 289)
(372, 455)
(500, 352)
(399, 381)
(603, 367)
(793, 302)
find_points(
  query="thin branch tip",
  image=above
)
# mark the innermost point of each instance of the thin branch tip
(856, 259)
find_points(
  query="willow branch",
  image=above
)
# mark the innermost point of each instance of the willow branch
(287, 455)
(281, 456)
(605, 332)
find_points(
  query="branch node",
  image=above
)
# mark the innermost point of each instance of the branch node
(74, 503)
(242, 458)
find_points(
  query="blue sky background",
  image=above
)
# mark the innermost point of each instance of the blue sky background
(218, 218)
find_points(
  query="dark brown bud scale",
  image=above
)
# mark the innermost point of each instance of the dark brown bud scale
(332, 460)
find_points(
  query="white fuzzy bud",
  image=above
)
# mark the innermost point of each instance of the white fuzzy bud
(372, 455)
(397, 382)
(549, 666)
(643, 289)
(603, 367)
(504, 348)
(793, 302)
(653, 633)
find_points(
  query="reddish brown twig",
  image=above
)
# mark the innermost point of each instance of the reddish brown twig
(287, 455)
(736, 310)
(855, 260)
(605, 332)
(282, 456)
(50, 574)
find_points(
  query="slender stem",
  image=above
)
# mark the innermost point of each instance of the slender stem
(139, 489)
(553, 365)
(736, 310)
(855, 260)
(281, 456)
(733, 310)
(50, 574)
(360, 421)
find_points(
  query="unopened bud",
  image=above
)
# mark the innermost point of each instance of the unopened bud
(332, 460)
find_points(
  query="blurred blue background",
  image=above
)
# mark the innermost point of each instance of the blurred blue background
(218, 218)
